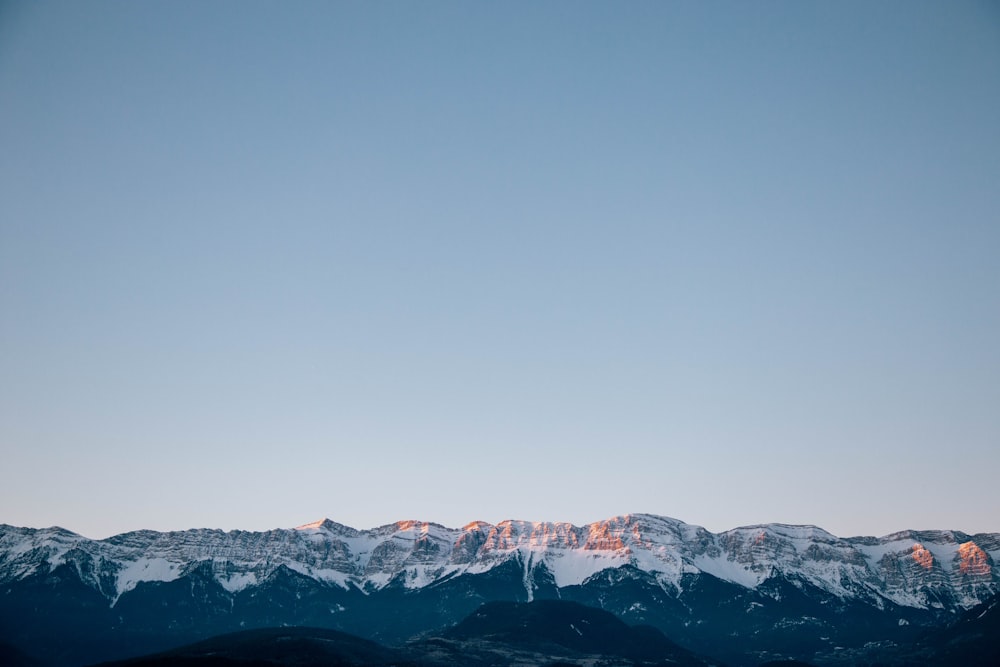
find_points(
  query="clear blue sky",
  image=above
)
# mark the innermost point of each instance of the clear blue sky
(265, 262)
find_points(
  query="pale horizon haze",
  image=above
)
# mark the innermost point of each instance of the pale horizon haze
(734, 263)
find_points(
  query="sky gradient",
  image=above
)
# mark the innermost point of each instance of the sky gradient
(262, 263)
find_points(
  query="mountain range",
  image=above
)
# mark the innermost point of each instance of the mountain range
(747, 595)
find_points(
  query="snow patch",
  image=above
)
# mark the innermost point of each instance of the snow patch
(528, 583)
(729, 570)
(143, 570)
(238, 582)
(573, 567)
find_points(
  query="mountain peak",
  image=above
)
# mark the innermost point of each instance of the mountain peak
(328, 526)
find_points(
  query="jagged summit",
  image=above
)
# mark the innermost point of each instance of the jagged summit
(328, 526)
(514, 524)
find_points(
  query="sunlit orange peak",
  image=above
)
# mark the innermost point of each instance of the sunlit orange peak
(411, 524)
(972, 559)
(922, 556)
(601, 538)
(476, 525)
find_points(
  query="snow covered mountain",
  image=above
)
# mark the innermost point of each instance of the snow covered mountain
(921, 569)
(744, 595)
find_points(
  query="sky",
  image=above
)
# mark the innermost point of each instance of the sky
(733, 263)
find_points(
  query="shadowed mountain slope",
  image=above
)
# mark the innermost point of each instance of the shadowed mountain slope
(543, 625)
(538, 633)
(274, 646)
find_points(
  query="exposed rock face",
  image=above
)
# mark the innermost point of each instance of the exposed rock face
(927, 570)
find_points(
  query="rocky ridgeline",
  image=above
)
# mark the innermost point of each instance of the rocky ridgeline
(946, 570)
